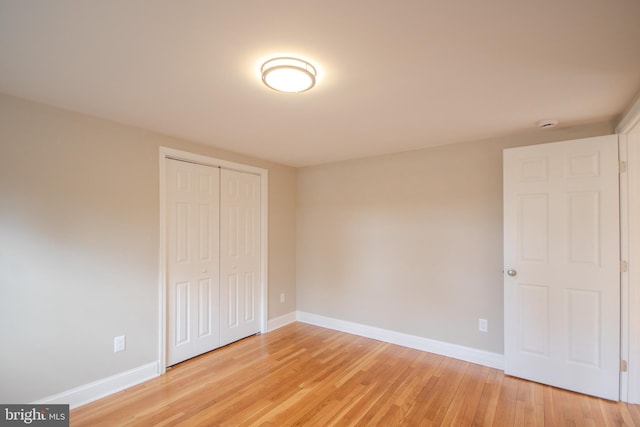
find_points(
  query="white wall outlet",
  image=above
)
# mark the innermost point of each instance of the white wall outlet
(483, 325)
(282, 297)
(118, 344)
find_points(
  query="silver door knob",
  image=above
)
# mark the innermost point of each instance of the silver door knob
(511, 272)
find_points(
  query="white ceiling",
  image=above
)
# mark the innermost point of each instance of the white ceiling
(394, 75)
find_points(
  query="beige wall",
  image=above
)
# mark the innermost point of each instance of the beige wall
(79, 246)
(411, 242)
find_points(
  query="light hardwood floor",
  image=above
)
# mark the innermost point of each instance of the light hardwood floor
(309, 376)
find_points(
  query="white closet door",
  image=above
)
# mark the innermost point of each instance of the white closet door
(562, 264)
(193, 206)
(240, 276)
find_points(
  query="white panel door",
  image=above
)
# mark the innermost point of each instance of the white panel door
(562, 265)
(240, 276)
(193, 209)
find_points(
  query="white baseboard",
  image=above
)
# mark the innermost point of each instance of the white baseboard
(279, 322)
(480, 357)
(95, 390)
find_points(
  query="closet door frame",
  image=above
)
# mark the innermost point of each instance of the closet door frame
(170, 153)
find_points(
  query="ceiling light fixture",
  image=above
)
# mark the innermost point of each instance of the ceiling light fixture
(288, 74)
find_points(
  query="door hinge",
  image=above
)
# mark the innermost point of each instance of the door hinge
(623, 266)
(623, 166)
(623, 366)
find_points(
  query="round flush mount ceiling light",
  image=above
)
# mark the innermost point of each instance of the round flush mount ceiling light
(288, 74)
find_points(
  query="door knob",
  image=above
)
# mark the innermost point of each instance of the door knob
(511, 272)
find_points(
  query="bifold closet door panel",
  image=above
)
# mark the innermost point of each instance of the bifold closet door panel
(240, 273)
(193, 259)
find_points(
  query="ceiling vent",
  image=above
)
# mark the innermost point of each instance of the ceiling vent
(545, 124)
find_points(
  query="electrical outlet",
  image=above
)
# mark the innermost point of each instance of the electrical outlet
(282, 297)
(483, 325)
(118, 344)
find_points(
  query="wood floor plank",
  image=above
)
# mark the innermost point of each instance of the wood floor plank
(486, 411)
(303, 375)
(506, 404)
(466, 400)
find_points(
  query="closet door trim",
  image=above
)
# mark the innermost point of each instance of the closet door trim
(170, 153)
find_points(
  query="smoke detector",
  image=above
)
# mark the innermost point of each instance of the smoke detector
(548, 123)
